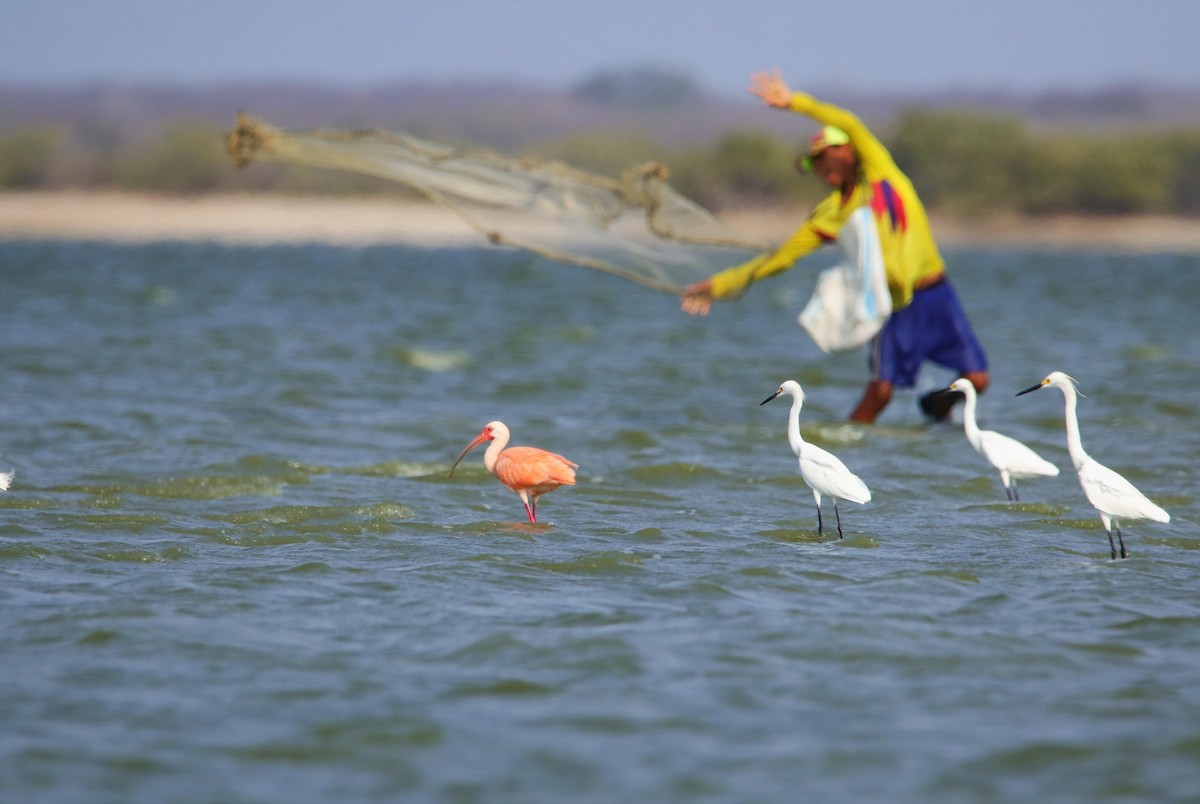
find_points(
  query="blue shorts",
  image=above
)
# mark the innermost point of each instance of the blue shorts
(933, 327)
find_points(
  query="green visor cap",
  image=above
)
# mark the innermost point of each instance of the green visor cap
(827, 136)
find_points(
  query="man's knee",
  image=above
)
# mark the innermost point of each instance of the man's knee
(979, 379)
(880, 391)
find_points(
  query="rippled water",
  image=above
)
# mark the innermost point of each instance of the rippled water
(234, 567)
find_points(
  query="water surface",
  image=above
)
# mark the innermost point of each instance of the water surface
(234, 567)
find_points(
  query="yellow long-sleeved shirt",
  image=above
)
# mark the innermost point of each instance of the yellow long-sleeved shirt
(909, 251)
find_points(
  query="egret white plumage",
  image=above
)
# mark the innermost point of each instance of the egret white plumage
(1012, 458)
(1109, 493)
(6, 480)
(821, 470)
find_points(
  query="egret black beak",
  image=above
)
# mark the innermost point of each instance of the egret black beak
(1033, 388)
(772, 396)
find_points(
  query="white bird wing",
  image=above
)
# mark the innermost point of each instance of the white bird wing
(1112, 494)
(824, 472)
(1009, 454)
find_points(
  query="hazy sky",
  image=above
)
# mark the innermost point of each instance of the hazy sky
(917, 45)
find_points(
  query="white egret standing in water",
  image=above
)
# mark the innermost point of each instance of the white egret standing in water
(821, 470)
(1010, 456)
(1109, 493)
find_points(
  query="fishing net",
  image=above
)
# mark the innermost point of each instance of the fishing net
(635, 226)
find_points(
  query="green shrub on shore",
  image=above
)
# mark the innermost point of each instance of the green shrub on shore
(962, 162)
(28, 157)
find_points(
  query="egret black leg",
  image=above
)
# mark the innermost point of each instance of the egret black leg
(1008, 492)
(1016, 496)
(1122, 543)
(1111, 546)
(820, 524)
(839, 519)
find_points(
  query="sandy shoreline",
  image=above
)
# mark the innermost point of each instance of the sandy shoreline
(266, 219)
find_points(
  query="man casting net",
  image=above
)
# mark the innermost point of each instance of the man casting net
(635, 226)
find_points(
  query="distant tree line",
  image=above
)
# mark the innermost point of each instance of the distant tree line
(962, 163)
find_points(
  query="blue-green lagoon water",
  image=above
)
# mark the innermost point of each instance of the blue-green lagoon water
(234, 568)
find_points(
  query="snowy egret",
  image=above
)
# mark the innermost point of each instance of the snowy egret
(1010, 456)
(821, 470)
(1109, 493)
(6, 480)
(529, 471)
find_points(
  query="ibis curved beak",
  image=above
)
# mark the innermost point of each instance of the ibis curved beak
(479, 439)
(772, 396)
(1039, 386)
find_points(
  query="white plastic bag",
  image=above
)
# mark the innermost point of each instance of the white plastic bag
(851, 300)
